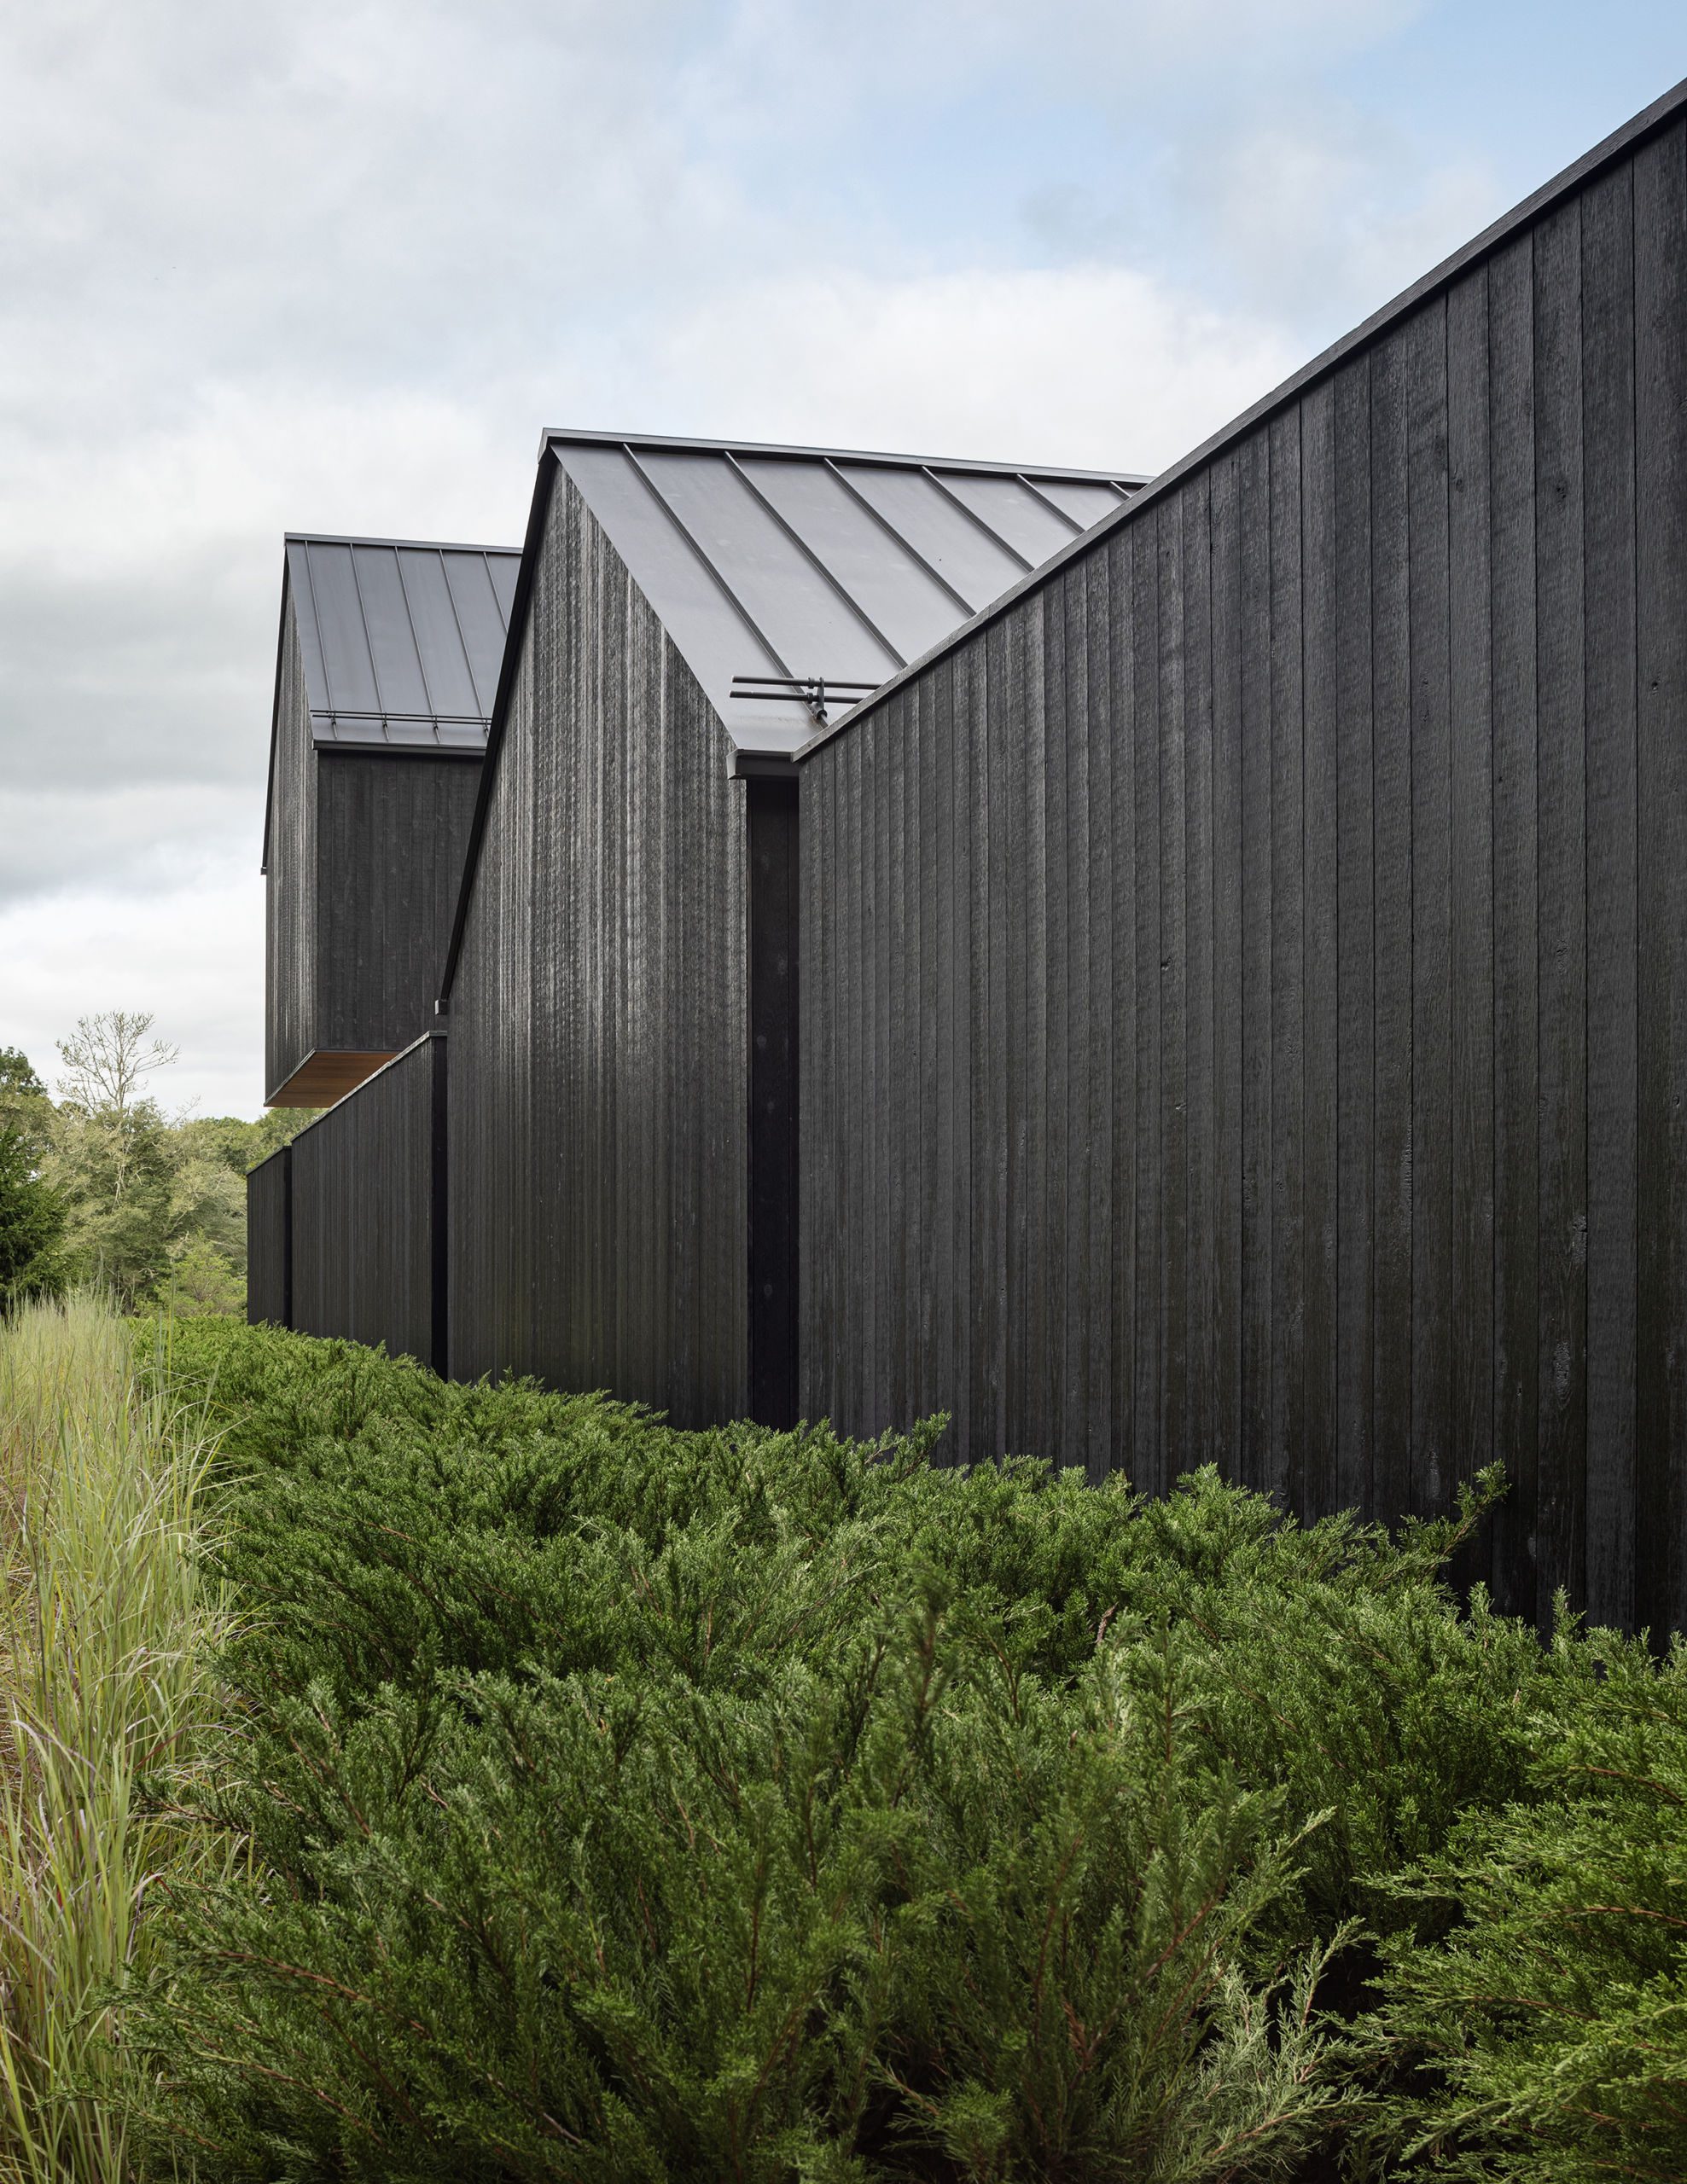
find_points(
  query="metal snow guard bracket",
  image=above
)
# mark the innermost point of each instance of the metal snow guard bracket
(815, 691)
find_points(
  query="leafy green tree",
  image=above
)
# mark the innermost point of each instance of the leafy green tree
(106, 1187)
(25, 1107)
(116, 1171)
(32, 1222)
(32, 1215)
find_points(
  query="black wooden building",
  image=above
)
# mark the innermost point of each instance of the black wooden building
(1162, 973)
(1245, 972)
(621, 982)
(386, 669)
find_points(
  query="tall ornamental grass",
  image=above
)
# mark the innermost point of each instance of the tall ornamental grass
(108, 1624)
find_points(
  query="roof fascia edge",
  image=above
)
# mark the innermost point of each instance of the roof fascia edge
(1649, 122)
(563, 436)
(417, 545)
(514, 637)
(333, 745)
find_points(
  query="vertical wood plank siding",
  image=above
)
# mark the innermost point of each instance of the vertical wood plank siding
(365, 853)
(773, 1236)
(290, 870)
(268, 1241)
(366, 1198)
(392, 829)
(599, 1035)
(1247, 1017)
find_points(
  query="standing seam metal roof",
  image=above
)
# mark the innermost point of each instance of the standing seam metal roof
(402, 640)
(735, 564)
(818, 563)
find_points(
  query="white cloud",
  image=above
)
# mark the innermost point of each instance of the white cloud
(191, 951)
(331, 264)
(1093, 365)
(1319, 215)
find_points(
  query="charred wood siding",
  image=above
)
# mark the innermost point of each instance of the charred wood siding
(599, 1037)
(1244, 1014)
(773, 1179)
(365, 853)
(391, 828)
(368, 1206)
(268, 1241)
(290, 868)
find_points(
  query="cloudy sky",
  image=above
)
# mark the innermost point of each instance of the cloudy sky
(332, 264)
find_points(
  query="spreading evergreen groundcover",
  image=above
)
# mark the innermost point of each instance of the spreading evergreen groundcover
(629, 1803)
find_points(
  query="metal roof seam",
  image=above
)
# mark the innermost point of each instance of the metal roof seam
(433, 713)
(1054, 507)
(907, 544)
(369, 642)
(974, 517)
(456, 618)
(708, 561)
(745, 566)
(810, 553)
(317, 623)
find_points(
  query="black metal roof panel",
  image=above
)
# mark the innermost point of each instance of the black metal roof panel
(402, 640)
(818, 564)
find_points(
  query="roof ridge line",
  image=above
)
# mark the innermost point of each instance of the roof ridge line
(419, 545)
(796, 450)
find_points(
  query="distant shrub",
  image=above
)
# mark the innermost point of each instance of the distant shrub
(628, 1803)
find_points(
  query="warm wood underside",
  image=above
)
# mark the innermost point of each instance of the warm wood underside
(327, 1076)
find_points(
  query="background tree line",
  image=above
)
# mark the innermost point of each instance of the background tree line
(99, 1183)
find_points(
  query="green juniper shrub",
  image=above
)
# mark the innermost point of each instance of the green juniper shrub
(1544, 1996)
(626, 1803)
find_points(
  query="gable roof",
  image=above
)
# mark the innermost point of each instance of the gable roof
(401, 639)
(812, 564)
(798, 562)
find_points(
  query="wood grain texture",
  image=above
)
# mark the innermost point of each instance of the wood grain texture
(366, 852)
(364, 1205)
(391, 834)
(1324, 1091)
(1516, 932)
(1661, 656)
(1471, 958)
(268, 1241)
(1354, 1482)
(773, 1101)
(600, 1024)
(1430, 790)
(1561, 763)
(1613, 893)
